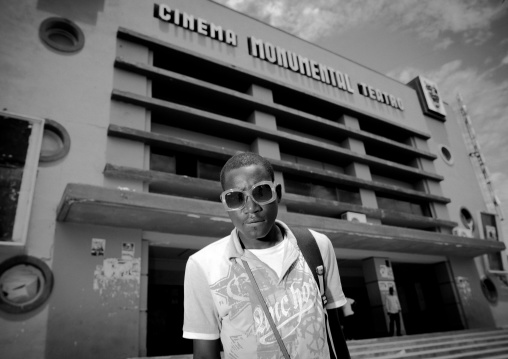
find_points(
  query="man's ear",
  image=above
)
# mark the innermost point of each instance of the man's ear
(278, 190)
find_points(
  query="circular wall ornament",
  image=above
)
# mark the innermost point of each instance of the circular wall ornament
(489, 290)
(467, 219)
(61, 35)
(446, 154)
(56, 142)
(25, 284)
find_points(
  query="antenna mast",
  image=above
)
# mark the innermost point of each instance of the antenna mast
(482, 172)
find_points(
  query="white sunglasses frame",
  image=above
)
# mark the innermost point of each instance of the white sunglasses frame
(248, 193)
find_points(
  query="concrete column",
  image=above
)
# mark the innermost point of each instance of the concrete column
(378, 275)
(438, 210)
(418, 142)
(121, 151)
(359, 170)
(266, 148)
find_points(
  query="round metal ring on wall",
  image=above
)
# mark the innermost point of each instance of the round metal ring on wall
(489, 290)
(26, 283)
(446, 154)
(56, 142)
(61, 35)
(467, 219)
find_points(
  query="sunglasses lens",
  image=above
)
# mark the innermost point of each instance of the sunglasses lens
(234, 199)
(262, 193)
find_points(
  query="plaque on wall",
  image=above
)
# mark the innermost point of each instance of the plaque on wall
(430, 97)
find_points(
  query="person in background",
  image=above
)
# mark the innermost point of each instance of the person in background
(393, 310)
(348, 312)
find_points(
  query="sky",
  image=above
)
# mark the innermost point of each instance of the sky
(462, 45)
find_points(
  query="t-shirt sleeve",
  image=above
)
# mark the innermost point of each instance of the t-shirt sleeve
(334, 293)
(201, 320)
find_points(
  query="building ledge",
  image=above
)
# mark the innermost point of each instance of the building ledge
(191, 187)
(97, 205)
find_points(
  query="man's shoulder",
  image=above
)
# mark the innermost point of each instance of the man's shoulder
(214, 250)
(212, 261)
(319, 236)
(322, 240)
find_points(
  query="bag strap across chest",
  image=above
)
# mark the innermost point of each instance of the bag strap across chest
(310, 250)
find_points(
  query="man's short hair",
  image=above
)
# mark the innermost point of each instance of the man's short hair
(245, 159)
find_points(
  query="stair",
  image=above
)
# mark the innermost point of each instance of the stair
(464, 344)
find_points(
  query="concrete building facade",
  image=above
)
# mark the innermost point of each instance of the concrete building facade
(116, 119)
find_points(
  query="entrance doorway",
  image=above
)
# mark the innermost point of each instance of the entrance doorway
(166, 271)
(360, 325)
(421, 298)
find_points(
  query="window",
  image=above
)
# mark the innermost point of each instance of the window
(185, 164)
(323, 190)
(387, 203)
(20, 145)
(209, 171)
(162, 162)
(185, 174)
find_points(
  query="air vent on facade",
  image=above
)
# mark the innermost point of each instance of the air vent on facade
(354, 217)
(462, 232)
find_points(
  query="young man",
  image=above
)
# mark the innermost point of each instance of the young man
(220, 301)
(393, 309)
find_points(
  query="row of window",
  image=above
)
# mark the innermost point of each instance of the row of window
(204, 168)
(212, 73)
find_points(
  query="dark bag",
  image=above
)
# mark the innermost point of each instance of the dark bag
(310, 250)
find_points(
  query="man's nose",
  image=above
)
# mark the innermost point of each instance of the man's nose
(251, 206)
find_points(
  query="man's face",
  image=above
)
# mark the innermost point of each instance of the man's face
(253, 221)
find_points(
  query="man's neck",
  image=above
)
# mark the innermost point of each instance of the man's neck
(274, 237)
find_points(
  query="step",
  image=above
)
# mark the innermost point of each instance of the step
(427, 336)
(477, 354)
(428, 347)
(426, 343)
(466, 351)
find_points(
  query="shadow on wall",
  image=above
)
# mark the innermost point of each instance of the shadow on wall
(83, 11)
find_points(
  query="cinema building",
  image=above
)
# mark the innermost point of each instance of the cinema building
(116, 118)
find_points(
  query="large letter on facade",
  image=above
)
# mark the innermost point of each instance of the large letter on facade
(256, 48)
(164, 13)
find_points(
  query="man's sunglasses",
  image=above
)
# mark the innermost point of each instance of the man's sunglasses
(261, 193)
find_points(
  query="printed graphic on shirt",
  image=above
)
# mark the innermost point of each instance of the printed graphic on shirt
(293, 304)
(233, 290)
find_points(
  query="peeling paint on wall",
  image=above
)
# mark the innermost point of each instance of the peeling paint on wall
(464, 288)
(98, 247)
(118, 277)
(386, 272)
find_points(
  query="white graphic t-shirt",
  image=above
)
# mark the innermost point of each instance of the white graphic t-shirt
(273, 256)
(220, 301)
